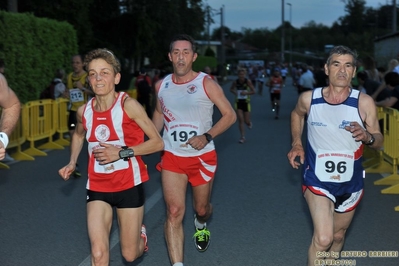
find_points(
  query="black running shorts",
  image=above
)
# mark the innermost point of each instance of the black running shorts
(129, 198)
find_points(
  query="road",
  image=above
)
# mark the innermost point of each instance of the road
(260, 217)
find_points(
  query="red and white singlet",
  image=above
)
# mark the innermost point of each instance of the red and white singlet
(187, 112)
(113, 127)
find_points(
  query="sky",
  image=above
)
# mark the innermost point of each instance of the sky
(255, 14)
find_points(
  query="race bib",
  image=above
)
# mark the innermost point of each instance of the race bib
(180, 132)
(276, 88)
(240, 96)
(76, 95)
(111, 167)
(336, 167)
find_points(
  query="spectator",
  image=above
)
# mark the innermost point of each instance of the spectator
(392, 81)
(60, 88)
(306, 81)
(144, 91)
(370, 86)
(370, 68)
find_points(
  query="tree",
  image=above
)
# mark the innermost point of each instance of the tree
(354, 20)
(76, 12)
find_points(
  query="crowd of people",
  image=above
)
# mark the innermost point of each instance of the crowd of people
(173, 114)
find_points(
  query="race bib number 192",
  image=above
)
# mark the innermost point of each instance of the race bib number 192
(180, 132)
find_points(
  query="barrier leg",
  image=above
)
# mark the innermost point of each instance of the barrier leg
(389, 180)
(34, 151)
(61, 140)
(51, 146)
(4, 166)
(21, 156)
(391, 190)
(382, 167)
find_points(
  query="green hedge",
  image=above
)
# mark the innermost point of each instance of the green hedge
(202, 61)
(33, 48)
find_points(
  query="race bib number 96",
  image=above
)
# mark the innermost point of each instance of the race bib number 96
(180, 132)
(336, 167)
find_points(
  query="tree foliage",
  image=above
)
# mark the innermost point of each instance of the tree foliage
(140, 29)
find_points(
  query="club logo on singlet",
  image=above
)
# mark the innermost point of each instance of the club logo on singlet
(344, 124)
(191, 89)
(166, 85)
(102, 133)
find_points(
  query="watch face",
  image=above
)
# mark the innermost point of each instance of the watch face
(124, 153)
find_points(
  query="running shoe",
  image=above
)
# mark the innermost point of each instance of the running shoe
(144, 237)
(250, 125)
(242, 140)
(202, 238)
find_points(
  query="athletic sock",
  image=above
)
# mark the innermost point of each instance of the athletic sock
(178, 264)
(199, 225)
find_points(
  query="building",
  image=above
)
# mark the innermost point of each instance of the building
(386, 48)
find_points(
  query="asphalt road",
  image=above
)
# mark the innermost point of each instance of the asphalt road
(260, 217)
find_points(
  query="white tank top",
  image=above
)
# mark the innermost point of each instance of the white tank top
(187, 112)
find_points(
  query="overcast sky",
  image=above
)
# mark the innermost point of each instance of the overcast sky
(255, 14)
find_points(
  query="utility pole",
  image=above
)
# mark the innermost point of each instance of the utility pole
(290, 35)
(394, 16)
(208, 16)
(282, 32)
(223, 59)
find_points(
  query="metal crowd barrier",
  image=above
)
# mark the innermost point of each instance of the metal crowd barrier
(40, 122)
(387, 160)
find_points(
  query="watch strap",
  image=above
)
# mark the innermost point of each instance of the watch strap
(208, 137)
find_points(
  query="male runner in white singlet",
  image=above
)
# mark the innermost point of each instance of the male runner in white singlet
(184, 112)
(340, 120)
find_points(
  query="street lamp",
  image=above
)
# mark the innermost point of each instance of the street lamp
(289, 4)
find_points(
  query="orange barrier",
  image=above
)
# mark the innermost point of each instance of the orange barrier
(38, 118)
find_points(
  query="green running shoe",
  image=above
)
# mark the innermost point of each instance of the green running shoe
(202, 238)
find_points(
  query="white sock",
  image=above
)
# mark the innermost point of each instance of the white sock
(198, 224)
(178, 264)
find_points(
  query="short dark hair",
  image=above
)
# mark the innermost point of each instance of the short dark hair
(182, 37)
(342, 50)
(392, 79)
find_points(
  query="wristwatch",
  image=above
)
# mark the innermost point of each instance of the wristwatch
(371, 141)
(126, 153)
(208, 137)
